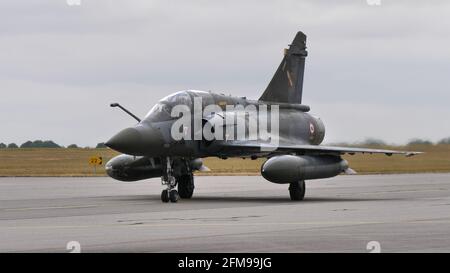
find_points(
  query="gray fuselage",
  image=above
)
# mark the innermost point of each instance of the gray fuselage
(152, 136)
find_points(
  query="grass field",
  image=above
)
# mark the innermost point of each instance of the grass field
(74, 162)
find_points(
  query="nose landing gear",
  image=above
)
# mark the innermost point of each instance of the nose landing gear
(169, 194)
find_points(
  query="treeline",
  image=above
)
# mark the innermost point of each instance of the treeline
(379, 142)
(44, 144)
(366, 142)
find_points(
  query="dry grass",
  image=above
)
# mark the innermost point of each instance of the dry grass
(435, 159)
(51, 162)
(74, 162)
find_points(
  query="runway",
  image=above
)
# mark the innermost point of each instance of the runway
(403, 213)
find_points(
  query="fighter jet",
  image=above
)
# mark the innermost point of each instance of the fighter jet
(178, 132)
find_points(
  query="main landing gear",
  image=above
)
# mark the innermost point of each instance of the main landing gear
(180, 176)
(297, 190)
(186, 185)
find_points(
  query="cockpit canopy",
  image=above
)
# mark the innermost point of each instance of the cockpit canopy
(163, 109)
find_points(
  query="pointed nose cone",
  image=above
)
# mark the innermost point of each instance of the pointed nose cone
(124, 139)
(137, 140)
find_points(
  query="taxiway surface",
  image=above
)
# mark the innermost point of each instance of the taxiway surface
(404, 213)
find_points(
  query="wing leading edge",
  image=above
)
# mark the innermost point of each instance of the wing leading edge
(316, 149)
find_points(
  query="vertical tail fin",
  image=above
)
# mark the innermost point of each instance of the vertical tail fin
(287, 83)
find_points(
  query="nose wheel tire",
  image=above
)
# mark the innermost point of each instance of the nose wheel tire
(174, 196)
(170, 196)
(297, 190)
(165, 196)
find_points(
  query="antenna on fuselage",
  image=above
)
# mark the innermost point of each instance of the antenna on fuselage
(125, 110)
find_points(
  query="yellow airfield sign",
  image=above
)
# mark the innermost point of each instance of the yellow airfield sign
(96, 161)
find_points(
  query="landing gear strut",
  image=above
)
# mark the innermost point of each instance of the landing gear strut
(169, 194)
(297, 190)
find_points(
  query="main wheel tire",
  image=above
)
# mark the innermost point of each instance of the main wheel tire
(165, 196)
(186, 186)
(174, 196)
(297, 190)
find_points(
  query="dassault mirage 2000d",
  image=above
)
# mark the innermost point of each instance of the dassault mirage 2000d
(187, 126)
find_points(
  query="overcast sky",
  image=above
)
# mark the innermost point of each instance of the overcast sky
(372, 71)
